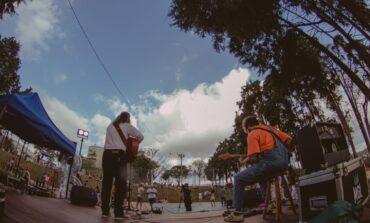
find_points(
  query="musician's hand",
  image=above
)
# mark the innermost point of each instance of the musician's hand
(224, 156)
(251, 159)
(244, 161)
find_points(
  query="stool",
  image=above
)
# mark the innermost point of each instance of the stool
(275, 180)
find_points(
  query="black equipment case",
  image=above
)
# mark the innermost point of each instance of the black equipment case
(321, 145)
(345, 181)
(85, 196)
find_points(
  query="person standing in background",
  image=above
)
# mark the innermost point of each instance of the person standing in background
(139, 197)
(223, 196)
(187, 196)
(213, 197)
(152, 196)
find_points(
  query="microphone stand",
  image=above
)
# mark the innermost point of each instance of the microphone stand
(129, 189)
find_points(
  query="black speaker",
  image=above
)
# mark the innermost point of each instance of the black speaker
(84, 196)
(321, 145)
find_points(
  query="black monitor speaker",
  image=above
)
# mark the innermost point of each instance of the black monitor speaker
(322, 144)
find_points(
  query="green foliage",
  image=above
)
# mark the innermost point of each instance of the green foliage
(218, 169)
(9, 65)
(88, 164)
(256, 31)
(166, 175)
(8, 7)
(198, 167)
(35, 169)
(143, 166)
(177, 172)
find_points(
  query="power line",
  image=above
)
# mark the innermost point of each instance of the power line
(105, 67)
(97, 55)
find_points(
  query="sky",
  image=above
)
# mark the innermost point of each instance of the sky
(181, 93)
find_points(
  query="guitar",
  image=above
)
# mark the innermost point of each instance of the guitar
(226, 156)
(132, 148)
(245, 159)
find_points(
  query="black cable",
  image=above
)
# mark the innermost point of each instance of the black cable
(104, 66)
(97, 55)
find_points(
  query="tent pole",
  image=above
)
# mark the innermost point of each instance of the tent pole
(1, 116)
(69, 177)
(19, 159)
(2, 112)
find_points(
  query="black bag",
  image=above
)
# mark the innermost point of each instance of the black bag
(252, 198)
(84, 196)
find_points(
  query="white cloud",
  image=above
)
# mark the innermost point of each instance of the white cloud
(194, 122)
(68, 121)
(187, 121)
(36, 25)
(58, 78)
(116, 106)
(64, 118)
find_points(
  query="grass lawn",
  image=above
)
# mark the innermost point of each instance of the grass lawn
(36, 170)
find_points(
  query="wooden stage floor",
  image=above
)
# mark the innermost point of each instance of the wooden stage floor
(20, 208)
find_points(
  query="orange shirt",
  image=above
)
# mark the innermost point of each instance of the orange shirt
(260, 140)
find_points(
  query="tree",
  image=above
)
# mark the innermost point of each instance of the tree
(88, 164)
(8, 7)
(252, 30)
(9, 65)
(198, 168)
(142, 166)
(179, 172)
(166, 175)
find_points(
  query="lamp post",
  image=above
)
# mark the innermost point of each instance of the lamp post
(83, 134)
(181, 156)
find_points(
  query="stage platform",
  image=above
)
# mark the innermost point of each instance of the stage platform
(21, 208)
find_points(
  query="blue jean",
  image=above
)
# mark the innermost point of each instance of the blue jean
(271, 162)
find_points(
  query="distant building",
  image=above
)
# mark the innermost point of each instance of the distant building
(96, 153)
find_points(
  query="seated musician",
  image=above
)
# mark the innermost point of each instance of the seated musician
(267, 154)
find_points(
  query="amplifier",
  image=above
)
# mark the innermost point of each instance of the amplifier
(321, 145)
(345, 181)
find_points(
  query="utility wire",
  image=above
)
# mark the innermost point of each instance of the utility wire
(97, 55)
(105, 67)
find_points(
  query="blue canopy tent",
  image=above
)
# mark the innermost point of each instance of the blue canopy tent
(25, 116)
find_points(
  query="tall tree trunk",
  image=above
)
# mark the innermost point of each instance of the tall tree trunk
(342, 118)
(362, 54)
(357, 113)
(366, 119)
(352, 75)
(357, 12)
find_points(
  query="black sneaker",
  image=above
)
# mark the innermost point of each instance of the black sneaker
(119, 217)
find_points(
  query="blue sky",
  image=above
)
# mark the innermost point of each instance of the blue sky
(181, 91)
